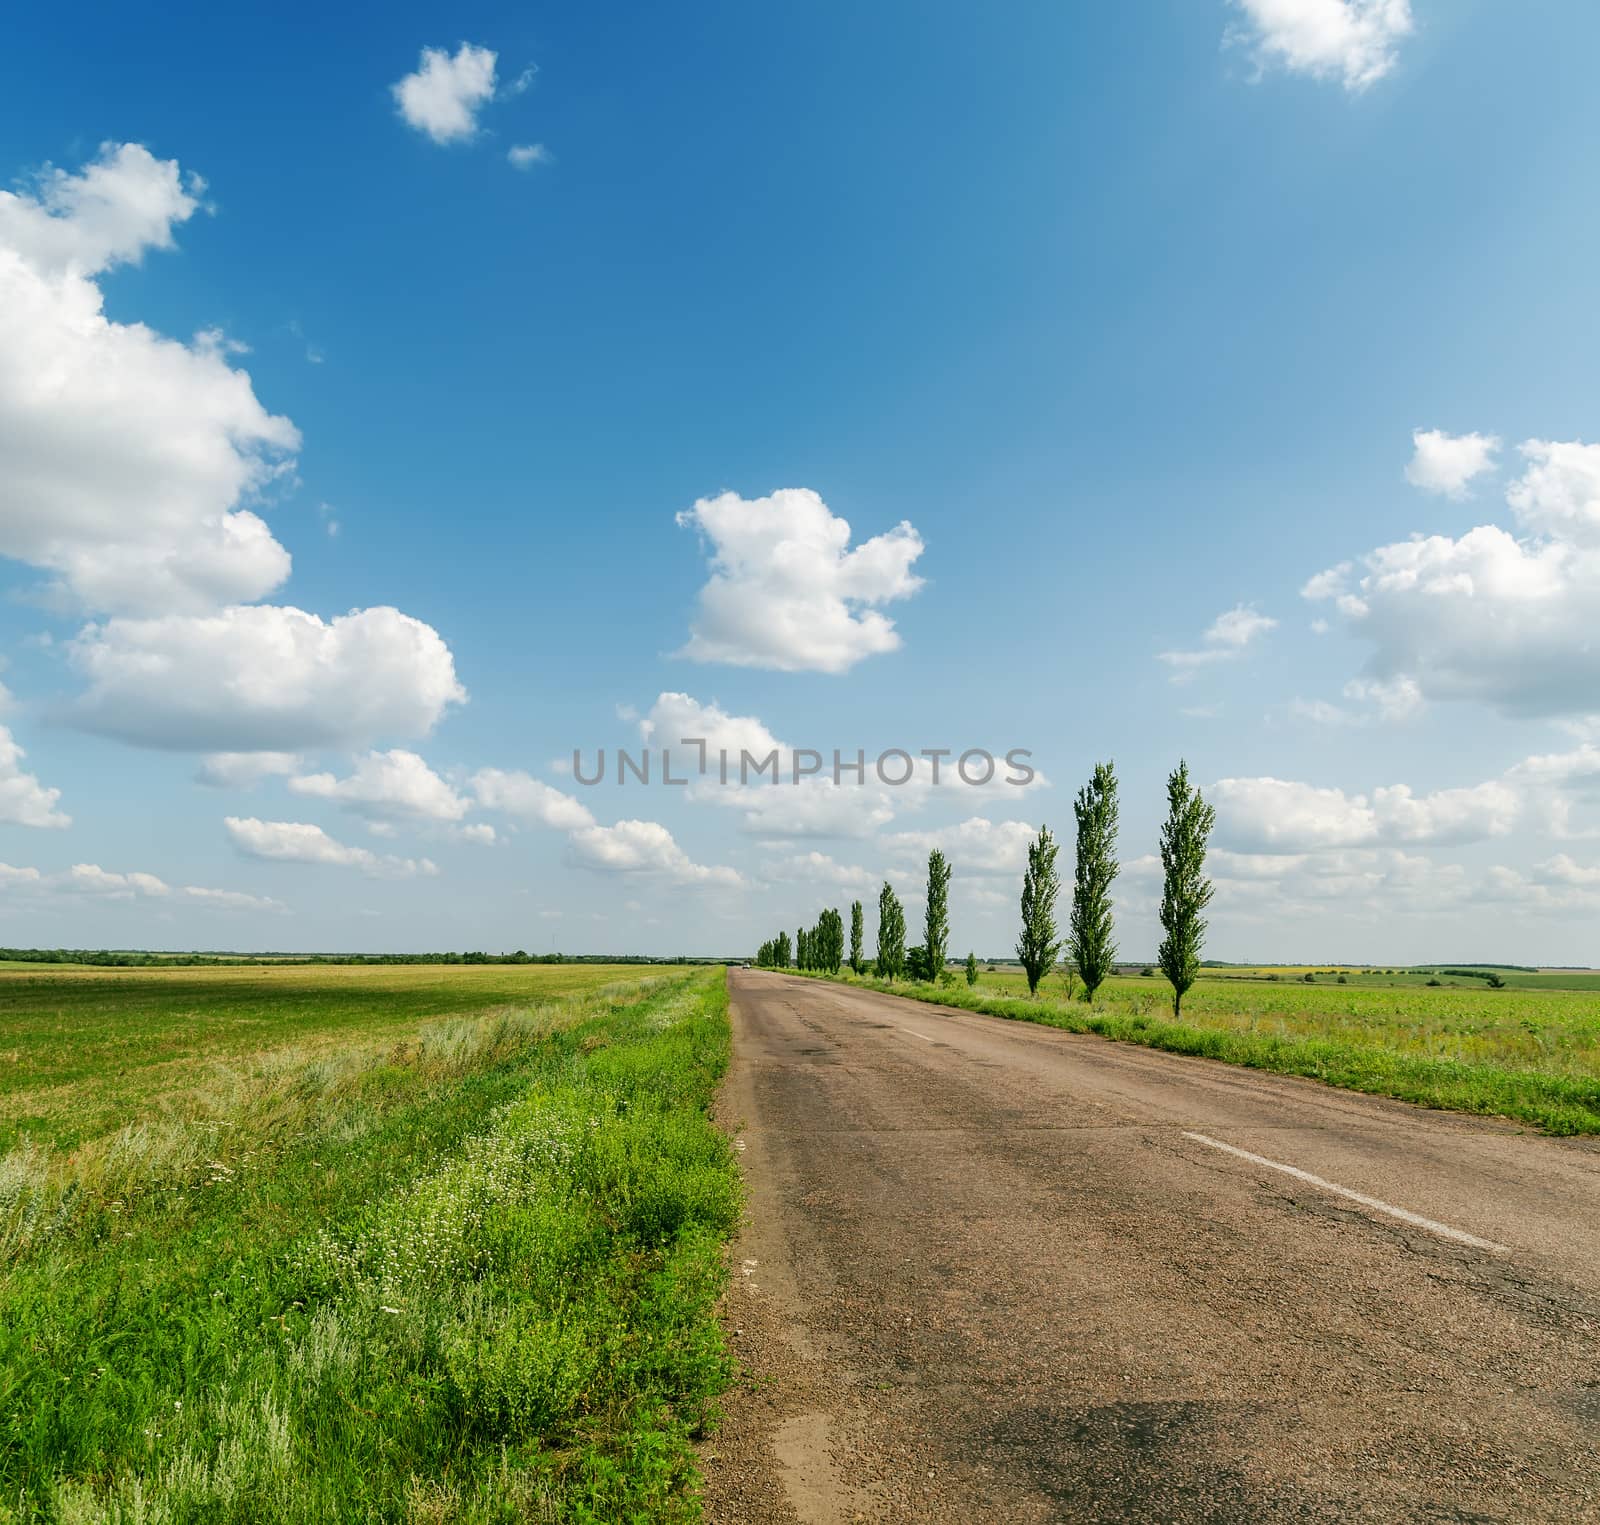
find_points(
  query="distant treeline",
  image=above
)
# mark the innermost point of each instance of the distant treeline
(117, 958)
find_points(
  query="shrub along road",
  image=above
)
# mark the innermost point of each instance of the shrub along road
(996, 1272)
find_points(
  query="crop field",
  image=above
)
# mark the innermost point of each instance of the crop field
(1526, 1053)
(359, 1243)
(1467, 975)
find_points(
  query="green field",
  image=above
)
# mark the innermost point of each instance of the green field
(1524, 1052)
(381, 1243)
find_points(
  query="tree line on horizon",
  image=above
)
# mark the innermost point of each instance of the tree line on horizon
(1090, 940)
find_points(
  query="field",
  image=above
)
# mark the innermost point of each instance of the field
(346, 1243)
(1523, 1052)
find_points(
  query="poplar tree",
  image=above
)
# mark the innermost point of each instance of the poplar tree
(1037, 947)
(857, 931)
(1185, 890)
(972, 968)
(891, 934)
(1089, 932)
(936, 923)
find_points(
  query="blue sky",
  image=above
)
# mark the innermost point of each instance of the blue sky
(1106, 330)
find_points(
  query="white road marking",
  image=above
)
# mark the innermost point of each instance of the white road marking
(1443, 1230)
(915, 1034)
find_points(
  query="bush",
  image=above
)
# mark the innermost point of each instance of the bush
(1310, 978)
(1343, 980)
(1435, 983)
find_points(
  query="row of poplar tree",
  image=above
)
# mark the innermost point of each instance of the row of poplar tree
(1090, 943)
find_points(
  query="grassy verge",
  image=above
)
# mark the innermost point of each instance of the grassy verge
(1381, 1054)
(467, 1277)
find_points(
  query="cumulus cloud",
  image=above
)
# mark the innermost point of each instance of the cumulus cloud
(525, 798)
(976, 846)
(263, 677)
(1272, 815)
(24, 801)
(244, 770)
(480, 832)
(387, 786)
(628, 847)
(301, 842)
(1352, 41)
(127, 459)
(817, 806)
(91, 879)
(818, 868)
(643, 847)
(232, 900)
(1225, 640)
(786, 592)
(1499, 617)
(131, 466)
(1484, 617)
(1364, 884)
(1559, 492)
(1447, 463)
(528, 155)
(443, 97)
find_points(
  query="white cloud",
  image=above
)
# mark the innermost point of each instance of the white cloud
(1271, 815)
(126, 458)
(1447, 463)
(529, 799)
(816, 806)
(528, 155)
(628, 847)
(233, 900)
(387, 786)
(1329, 584)
(244, 770)
(1349, 40)
(643, 847)
(976, 846)
(1320, 712)
(301, 842)
(444, 96)
(1488, 616)
(1484, 617)
(1224, 641)
(480, 832)
(1577, 770)
(109, 213)
(785, 591)
(264, 678)
(93, 882)
(1393, 698)
(24, 801)
(818, 868)
(91, 879)
(1363, 884)
(1559, 492)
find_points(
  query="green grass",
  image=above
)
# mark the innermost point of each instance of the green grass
(1528, 1054)
(451, 1270)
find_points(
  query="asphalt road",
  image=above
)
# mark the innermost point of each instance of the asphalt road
(996, 1272)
